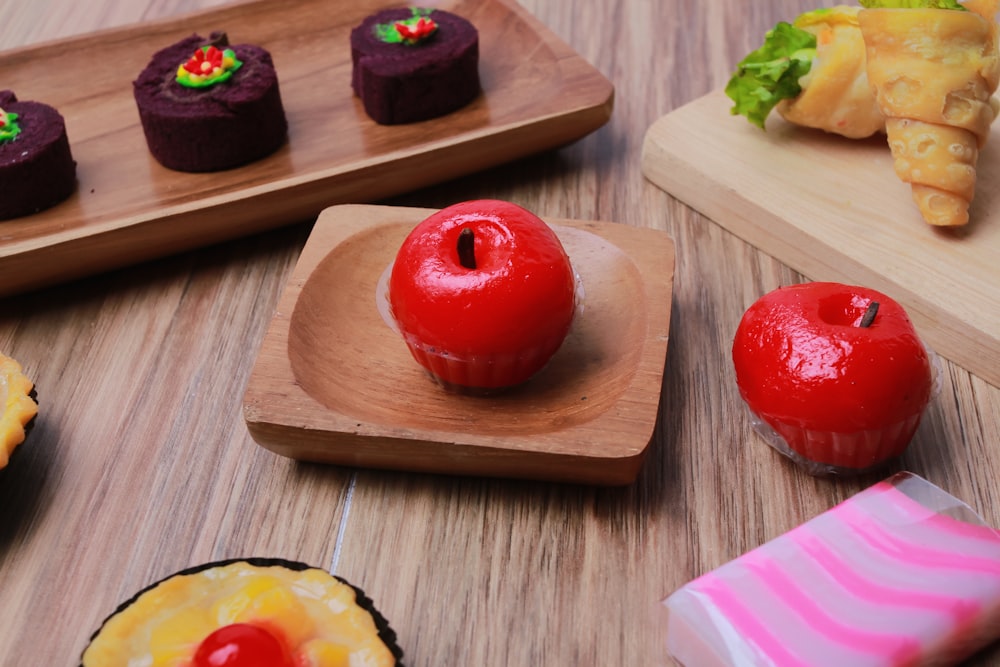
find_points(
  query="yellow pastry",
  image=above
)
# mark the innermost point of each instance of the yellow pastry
(836, 96)
(246, 613)
(934, 72)
(18, 404)
(812, 71)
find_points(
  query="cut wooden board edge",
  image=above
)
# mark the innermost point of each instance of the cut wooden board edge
(688, 176)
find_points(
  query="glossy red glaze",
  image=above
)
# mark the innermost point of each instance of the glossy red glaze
(242, 645)
(803, 363)
(516, 305)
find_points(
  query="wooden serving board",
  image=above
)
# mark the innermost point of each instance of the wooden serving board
(334, 383)
(538, 94)
(833, 209)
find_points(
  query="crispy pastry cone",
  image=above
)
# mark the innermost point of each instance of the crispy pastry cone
(934, 72)
(836, 95)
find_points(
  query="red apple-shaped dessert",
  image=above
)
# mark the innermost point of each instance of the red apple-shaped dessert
(483, 294)
(836, 371)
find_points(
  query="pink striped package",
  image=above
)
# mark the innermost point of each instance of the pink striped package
(899, 574)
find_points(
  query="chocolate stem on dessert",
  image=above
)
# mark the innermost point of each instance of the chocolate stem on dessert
(219, 39)
(467, 248)
(869, 316)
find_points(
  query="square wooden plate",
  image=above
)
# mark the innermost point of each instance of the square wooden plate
(334, 383)
(833, 209)
(537, 94)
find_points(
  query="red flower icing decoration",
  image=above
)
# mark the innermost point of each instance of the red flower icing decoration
(416, 31)
(204, 61)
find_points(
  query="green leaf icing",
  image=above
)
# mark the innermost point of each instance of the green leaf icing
(188, 74)
(9, 127)
(390, 34)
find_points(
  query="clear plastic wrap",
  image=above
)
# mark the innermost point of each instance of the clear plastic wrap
(899, 574)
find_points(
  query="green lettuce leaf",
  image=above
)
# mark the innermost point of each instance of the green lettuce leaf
(771, 73)
(912, 4)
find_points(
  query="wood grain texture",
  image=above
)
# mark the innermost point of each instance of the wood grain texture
(833, 209)
(537, 94)
(329, 359)
(140, 464)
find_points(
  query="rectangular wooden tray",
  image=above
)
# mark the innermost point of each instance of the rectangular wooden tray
(333, 382)
(833, 209)
(538, 94)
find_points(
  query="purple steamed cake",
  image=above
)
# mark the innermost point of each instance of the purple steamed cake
(37, 170)
(404, 83)
(225, 125)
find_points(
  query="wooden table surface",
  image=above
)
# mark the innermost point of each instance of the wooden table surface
(140, 463)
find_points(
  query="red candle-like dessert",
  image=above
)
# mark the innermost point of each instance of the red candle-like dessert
(837, 372)
(483, 294)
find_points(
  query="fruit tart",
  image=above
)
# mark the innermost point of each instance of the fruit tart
(18, 404)
(252, 612)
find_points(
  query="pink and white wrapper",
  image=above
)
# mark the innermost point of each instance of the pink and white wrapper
(899, 574)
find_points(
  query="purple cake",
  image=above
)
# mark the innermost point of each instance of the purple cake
(414, 64)
(37, 170)
(207, 106)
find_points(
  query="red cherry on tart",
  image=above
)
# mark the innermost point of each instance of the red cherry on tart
(483, 294)
(242, 645)
(837, 372)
